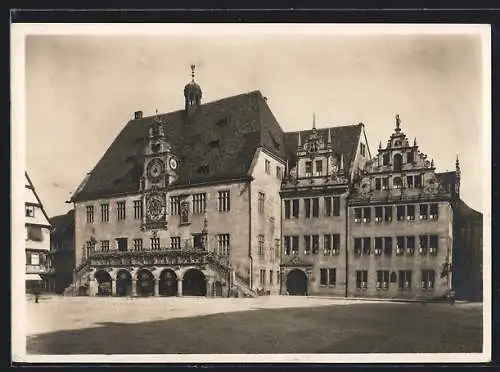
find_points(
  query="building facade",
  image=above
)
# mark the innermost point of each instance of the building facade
(185, 203)
(38, 270)
(62, 252)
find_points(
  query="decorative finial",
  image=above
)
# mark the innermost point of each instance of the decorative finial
(398, 123)
(457, 162)
(380, 144)
(192, 72)
(329, 139)
(432, 163)
(341, 161)
(415, 141)
(300, 140)
(314, 120)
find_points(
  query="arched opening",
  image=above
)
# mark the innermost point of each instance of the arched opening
(398, 162)
(296, 283)
(123, 283)
(104, 283)
(145, 283)
(218, 289)
(194, 283)
(168, 283)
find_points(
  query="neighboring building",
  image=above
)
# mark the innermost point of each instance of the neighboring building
(62, 251)
(401, 219)
(185, 203)
(314, 198)
(37, 236)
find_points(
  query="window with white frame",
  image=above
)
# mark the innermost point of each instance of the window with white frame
(138, 244)
(268, 166)
(260, 243)
(155, 243)
(120, 210)
(223, 244)
(361, 279)
(175, 242)
(382, 280)
(105, 245)
(199, 203)
(428, 277)
(262, 198)
(405, 280)
(175, 205)
(90, 214)
(223, 201)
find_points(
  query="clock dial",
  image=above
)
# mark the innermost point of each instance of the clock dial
(173, 163)
(155, 170)
(155, 208)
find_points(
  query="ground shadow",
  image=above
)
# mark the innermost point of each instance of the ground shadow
(357, 328)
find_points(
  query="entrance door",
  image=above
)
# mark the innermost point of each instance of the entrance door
(296, 283)
(194, 283)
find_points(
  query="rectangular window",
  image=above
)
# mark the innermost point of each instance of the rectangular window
(295, 208)
(35, 259)
(433, 244)
(105, 212)
(138, 209)
(315, 244)
(199, 203)
(400, 245)
(405, 280)
(120, 210)
(307, 244)
(361, 279)
(424, 211)
(386, 160)
(367, 215)
(319, 168)
(271, 277)
(378, 184)
(410, 245)
(261, 245)
(268, 166)
(418, 181)
(409, 182)
(138, 245)
(105, 245)
(90, 246)
(122, 244)
(323, 276)
(35, 233)
(332, 276)
(428, 277)
(362, 149)
(387, 245)
(357, 214)
(357, 246)
(30, 211)
(224, 201)
(287, 245)
(279, 174)
(155, 243)
(307, 207)
(378, 214)
(315, 207)
(287, 209)
(378, 246)
(388, 213)
(382, 279)
(328, 206)
(262, 198)
(336, 206)
(90, 214)
(175, 242)
(434, 211)
(327, 244)
(385, 183)
(366, 246)
(175, 202)
(423, 244)
(295, 245)
(223, 244)
(400, 212)
(410, 212)
(409, 157)
(262, 277)
(308, 169)
(336, 244)
(277, 248)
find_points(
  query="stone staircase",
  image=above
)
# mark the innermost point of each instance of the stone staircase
(80, 279)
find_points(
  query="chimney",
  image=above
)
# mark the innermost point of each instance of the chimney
(138, 115)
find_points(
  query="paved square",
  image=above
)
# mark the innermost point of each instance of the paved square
(82, 325)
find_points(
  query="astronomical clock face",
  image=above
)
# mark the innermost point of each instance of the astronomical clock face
(156, 207)
(155, 170)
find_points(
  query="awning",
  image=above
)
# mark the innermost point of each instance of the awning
(33, 277)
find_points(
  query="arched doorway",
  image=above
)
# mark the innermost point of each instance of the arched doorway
(123, 283)
(398, 162)
(296, 283)
(145, 283)
(194, 283)
(103, 283)
(168, 283)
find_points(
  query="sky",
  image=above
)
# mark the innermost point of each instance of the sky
(81, 90)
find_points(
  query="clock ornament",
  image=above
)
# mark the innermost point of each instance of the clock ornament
(173, 163)
(156, 208)
(155, 170)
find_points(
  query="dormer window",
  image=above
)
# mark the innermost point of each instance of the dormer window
(308, 169)
(204, 169)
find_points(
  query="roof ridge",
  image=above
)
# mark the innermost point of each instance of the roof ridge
(328, 127)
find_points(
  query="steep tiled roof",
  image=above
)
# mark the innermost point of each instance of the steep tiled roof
(63, 222)
(344, 141)
(240, 123)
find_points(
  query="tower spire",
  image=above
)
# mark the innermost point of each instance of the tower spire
(314, 120)
(300, 140)
(193, 66)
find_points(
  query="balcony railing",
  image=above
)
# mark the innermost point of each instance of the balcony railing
(387, 196)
